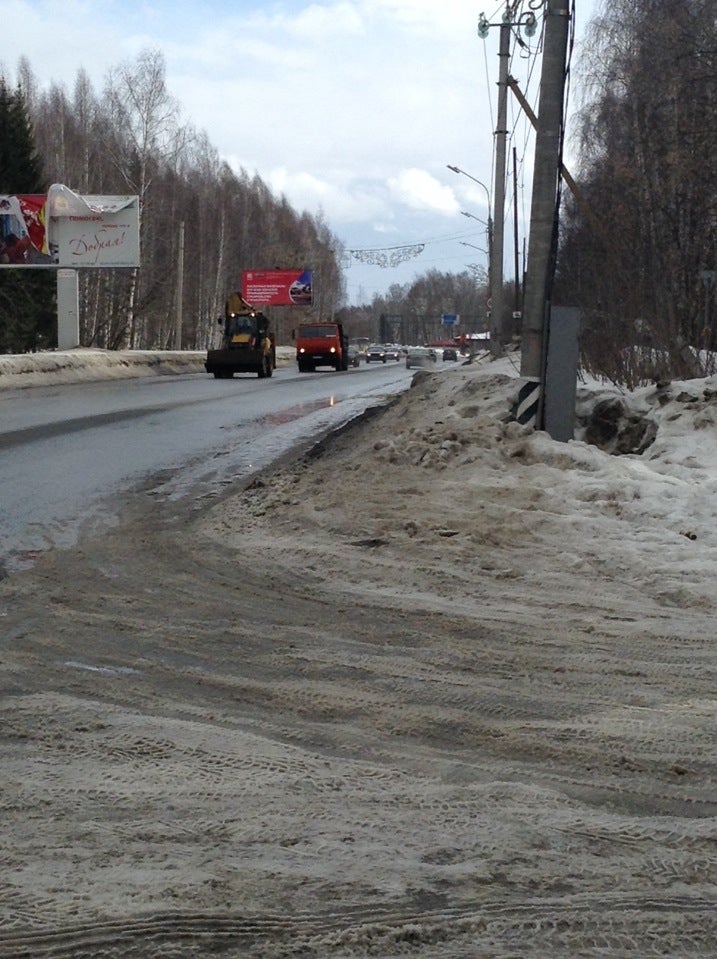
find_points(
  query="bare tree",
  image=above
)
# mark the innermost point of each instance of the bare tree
(147, 138)
(649, 139)
(130, 141)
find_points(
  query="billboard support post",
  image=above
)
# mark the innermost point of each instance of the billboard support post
(68, 310)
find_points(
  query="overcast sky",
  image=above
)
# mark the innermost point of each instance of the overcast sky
(349, 107)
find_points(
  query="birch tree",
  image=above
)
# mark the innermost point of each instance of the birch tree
(649, 141)
(147, 139)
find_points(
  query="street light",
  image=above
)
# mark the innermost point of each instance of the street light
(473, 246)
(457, 169)
(474, 217)
(495, 269)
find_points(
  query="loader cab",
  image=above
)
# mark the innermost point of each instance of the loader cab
(238, 323)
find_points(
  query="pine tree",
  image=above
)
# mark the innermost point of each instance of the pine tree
(27, 297)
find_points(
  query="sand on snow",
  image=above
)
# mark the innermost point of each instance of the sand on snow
(439, 687)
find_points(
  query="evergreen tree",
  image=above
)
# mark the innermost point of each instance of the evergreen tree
(27, 297)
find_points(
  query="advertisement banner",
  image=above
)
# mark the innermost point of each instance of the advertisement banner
(64, 229)
(98, 239)
(277, 287)
(23, 236)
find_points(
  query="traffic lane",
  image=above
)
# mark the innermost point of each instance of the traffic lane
(62, 476)
(78, 405)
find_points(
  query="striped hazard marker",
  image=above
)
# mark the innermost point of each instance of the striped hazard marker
(525, 409)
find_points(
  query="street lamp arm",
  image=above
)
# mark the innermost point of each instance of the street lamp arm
(457, 169)
(474, 217)
(473, 246)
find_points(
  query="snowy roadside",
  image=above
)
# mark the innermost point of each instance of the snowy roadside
(85, 365)
(442, 686)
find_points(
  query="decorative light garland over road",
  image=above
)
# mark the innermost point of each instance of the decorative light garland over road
(388, 256)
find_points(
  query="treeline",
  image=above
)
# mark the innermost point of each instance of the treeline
(639, 254)
(411, 312)
(131, 139)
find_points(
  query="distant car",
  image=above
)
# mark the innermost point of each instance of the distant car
(354, 356)
(393, 352)
(450, 354)
(376, 354)
(420, 358)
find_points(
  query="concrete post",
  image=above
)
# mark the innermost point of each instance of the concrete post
(68, 310)
(543, 210)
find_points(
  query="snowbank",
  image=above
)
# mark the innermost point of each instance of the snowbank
(84, 365)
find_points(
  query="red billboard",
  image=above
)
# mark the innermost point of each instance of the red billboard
(277, 287)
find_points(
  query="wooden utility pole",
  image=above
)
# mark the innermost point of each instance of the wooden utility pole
(543, 212)
(585, 207)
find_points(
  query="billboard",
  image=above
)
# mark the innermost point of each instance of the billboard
(277, 287)
(64, 229)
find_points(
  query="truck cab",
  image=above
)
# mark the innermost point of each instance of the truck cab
(321, 344)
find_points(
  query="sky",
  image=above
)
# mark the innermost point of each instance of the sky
(351, 109)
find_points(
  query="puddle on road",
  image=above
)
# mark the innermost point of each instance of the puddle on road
(301, 409)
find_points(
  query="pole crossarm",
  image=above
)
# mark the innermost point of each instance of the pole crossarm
(525, 21)
(564, 172)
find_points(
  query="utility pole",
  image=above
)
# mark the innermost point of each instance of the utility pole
(501, 138)
(180, 290)
(516, 251)
(543, 213)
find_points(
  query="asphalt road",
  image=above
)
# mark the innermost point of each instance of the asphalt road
(69, 453)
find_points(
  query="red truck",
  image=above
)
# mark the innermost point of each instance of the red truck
(321, 344)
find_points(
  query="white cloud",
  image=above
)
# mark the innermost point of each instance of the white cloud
(352, 202)
(353, 107)
(421, 191)
(328, 20)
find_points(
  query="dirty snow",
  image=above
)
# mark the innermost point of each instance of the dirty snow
(441, 687)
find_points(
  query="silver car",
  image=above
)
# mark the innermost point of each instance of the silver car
(420, 358)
